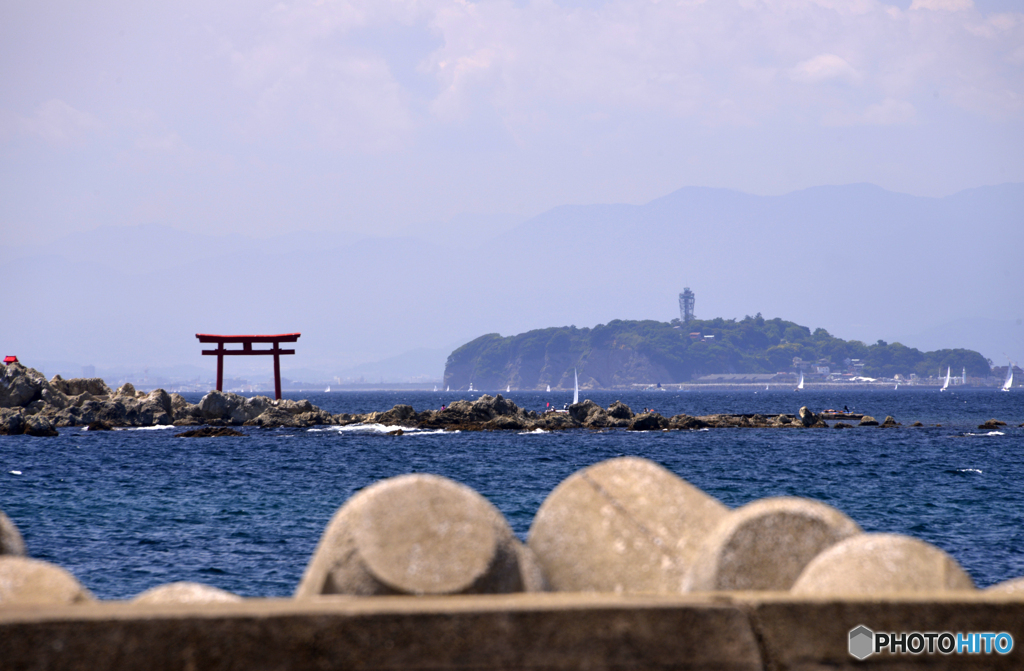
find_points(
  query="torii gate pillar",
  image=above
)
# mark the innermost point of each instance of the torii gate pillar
(247, 350)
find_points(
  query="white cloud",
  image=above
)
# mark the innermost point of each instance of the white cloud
(823, 67)
(943, 5)
(58, 123)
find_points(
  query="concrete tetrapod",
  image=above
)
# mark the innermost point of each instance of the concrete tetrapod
(10, 538)
(31, 581)
(882, 564)
(623, 525)
(419, 534)
(766, 544)
(185, 592)
(1014, 587)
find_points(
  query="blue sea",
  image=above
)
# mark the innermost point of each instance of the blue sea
(128, 510)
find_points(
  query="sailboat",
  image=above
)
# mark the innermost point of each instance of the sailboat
(448, 388)
(800, 385)
(963, 376)
(471, 387)
(328, 388)
(576, 389)
(435, 387)
(549, 387)
(1009, 377)
(945, 385)
(508, 388)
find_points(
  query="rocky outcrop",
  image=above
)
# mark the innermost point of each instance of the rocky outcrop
(29, 404)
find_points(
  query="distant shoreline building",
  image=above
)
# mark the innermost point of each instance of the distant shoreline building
(686, 301)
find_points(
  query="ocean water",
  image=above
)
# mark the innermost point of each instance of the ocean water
(128, 510)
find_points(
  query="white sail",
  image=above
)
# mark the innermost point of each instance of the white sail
(576, 390)
(945, 385)
(328, 388)
(800, 386)
(963, 376)
(471, 387)
(1009, 377)
(448, 388)
(508, 388)
(549, 387)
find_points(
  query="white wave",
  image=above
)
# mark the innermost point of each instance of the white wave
(159, 427)
(15, 472)
(969, 470)
(990, 433)
(380, 428)
(534, 432)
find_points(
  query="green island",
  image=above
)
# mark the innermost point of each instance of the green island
(752, 350)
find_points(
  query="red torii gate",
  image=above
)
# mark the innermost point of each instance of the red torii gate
(247, 341)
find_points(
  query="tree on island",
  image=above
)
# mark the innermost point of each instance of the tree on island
(627, 352)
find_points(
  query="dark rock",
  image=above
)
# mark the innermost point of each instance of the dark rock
(273, 418)
(553, 421)
(505, 423)
(580, 411)
(620, 410)
(397, 415)
(209, 432)
(19, 385)
(39, 426)
(889, 422)
(686, 423)
(648, 421)
(99, 425)
(842, 425)
(917, 424)
(12, 422)
(868, 420)
(991, 424)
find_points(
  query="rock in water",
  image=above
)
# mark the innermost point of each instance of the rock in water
(868, 420)
(11, 542)
(209, 432)
(418, 534)
(882, 564)
(30, 581)
(624, 525)
(766, 544)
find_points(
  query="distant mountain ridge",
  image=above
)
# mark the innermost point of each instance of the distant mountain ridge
(862, 261)
(624, 353)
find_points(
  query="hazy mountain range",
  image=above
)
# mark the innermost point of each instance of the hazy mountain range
(862, 262)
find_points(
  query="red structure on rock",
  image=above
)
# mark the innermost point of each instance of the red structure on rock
(8, 360)
(247, 350)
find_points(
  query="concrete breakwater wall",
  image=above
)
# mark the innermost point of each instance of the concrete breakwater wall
(626, 565)
(30, 404)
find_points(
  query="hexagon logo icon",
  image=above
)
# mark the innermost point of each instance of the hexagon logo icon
(862, 642)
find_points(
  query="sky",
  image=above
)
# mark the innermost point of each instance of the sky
(392, 118)
(320, 123)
